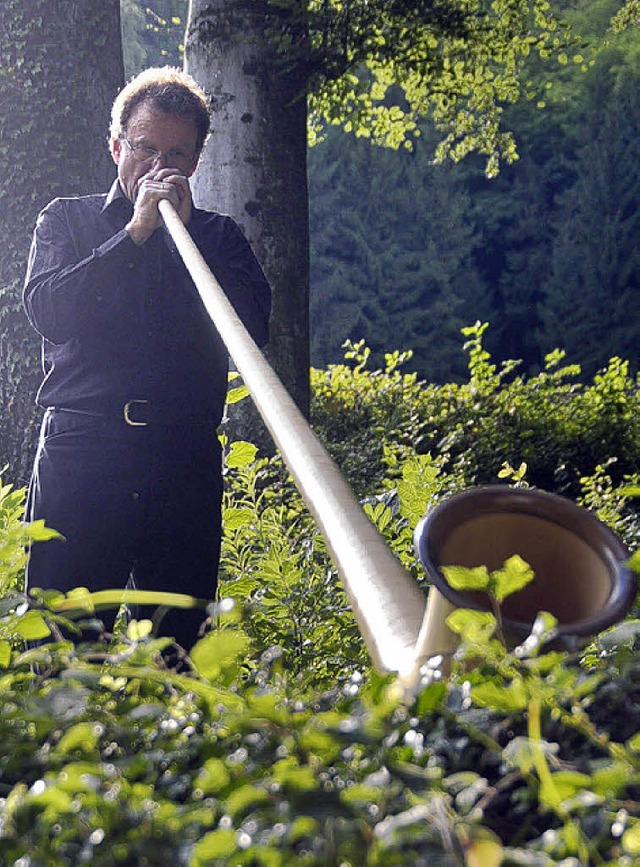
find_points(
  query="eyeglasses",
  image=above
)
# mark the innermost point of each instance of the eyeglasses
(145, 154)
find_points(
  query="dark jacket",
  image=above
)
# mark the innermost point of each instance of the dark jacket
(121, 322)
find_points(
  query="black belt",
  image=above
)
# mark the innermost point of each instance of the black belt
(141, 412)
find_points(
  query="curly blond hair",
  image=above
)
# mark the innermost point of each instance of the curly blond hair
(167, 89)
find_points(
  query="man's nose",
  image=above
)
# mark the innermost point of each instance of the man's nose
(160, 161)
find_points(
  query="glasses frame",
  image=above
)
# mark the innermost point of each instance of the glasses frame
(181, 162)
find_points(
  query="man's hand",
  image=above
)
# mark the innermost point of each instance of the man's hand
(156, 185)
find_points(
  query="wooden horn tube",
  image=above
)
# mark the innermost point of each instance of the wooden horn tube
(386, 601)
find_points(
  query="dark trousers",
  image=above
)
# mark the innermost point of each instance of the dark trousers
(132, 502)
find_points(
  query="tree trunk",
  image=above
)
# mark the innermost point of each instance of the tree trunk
(254, 165)
(61, 67)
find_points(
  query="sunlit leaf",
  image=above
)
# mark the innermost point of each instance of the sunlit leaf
(241, 454)
(631, 839)
(217, 651)
(463, 578)
(32, 626)
(215, 845)
(506, 699)
(515, 575)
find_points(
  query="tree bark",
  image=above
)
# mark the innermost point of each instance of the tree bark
(254, 165)
(61, 67)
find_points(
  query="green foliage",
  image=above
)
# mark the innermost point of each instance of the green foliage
(275, 565)
(152, 33)
(110, 758)
(280, 745)
(15, 535)
(378, 67)
(582, 441)
(546, 251)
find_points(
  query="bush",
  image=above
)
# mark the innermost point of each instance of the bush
(280, 745)
(549, 430)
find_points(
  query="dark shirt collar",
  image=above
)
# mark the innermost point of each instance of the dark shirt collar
(116, 198)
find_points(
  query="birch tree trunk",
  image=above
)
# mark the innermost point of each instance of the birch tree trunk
(254, 165)
(60, 69)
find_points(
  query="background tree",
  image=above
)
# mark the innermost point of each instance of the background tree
(534, 232)
(373, 67)
(152, 33)
(61, 66)
(254, 165)
(391, 254)
(591, 300)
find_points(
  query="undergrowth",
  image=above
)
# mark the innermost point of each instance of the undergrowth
(281, 745)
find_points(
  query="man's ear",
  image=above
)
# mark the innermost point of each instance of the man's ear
(194, 164)
(115, 146)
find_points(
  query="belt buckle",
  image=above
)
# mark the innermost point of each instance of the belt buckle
(127, 413)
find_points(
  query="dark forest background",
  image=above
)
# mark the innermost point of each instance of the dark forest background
(405, 252)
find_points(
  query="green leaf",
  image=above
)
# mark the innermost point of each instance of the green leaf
(213, 777)
(83, 736)
(218, 651)
(234, 395)
(474, 625)
(139, 629)
(216, 844)
(241, 454)
(38, 532)
(570, 783)
(301, 827)
(501, 698)
(32, 626)
(631, 839)
(244, 798)
(5, 653)
(431, 698)
(235, 519)
(293, 776)
(634, 743)
(515, 575)
(464, 578)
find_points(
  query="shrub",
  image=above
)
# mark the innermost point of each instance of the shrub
(280, 745)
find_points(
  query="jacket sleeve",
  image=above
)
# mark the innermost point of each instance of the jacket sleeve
(65, 290)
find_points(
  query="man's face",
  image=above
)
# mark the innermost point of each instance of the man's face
(173, 137)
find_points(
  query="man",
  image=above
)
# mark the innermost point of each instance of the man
(128, 467)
